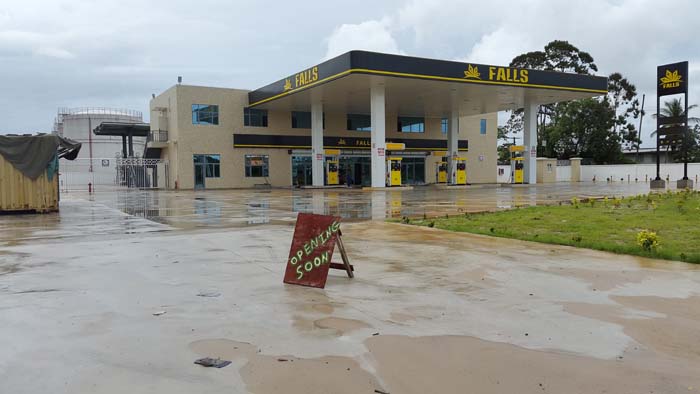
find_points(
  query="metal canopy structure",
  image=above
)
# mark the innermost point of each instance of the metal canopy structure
(127, 131)
(421, 87)
(361, 82)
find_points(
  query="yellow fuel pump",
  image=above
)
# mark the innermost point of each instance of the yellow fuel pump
(393, 171)
(460, 171)
(516, 163)
(332, 172)
(441, 172)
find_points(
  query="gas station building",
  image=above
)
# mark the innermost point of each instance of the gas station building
(353, 118)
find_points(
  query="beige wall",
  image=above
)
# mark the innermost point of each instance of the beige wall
(186, 139)
(482, 157)
(546, 170)
(575, 169)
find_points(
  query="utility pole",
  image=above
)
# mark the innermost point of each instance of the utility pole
(639, 133)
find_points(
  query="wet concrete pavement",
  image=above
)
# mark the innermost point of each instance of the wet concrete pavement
(429, 311)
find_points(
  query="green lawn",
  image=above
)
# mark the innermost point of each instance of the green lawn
(611, 224)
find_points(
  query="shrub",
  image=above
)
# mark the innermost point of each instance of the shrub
(680, 204)
(617, 202)
(574, 202)
(647, 240)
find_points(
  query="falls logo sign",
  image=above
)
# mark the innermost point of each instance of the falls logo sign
(498, 74)
(671, 79)
(472, 72)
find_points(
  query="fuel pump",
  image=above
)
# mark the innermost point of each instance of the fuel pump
(460, 171)
(441, 172)
(332, 172)
(393, 171)
(516, 163)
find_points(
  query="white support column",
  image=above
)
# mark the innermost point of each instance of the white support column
(452, 146)
(378, 137)
(530, 142)
(317, 152)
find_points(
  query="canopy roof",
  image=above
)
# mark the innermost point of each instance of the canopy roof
(123, 129)
(421, 87)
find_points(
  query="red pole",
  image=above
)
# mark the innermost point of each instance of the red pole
(90, 140)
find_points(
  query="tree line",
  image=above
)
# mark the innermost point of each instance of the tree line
(594, 128)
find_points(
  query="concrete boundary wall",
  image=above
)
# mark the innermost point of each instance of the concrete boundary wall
(641, 172)
(617, 172)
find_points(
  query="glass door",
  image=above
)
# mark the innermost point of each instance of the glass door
(412, 171)
(301, 171)
(199, 171)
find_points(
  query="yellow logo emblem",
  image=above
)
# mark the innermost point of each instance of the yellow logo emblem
(287, 85)
(472, 72)
(341, 142)
(671, 79)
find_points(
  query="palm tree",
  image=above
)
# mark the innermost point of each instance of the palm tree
(675, 108)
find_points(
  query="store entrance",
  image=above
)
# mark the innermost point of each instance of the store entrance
(301, 171)
(358, 167)
(412, 171)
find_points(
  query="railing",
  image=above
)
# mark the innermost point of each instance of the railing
(102, 174)
(158, 136)
(101, 111)
(142, 173)
(127, 114)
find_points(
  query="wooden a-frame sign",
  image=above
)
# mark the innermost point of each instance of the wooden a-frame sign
(315, 237)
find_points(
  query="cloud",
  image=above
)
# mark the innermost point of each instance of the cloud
(373, 35)
(117, 52)
(626, 36)
(20, 42)
(54, 52)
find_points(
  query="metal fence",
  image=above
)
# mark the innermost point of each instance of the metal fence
(158, 136)
(100, 174)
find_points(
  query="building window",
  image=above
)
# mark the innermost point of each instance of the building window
(359, 122)
(254, 117)
(444, 125)
(257, 166)
(411, 124)
(211, 163)
(482, 129)
(205, 114)
(302, 120)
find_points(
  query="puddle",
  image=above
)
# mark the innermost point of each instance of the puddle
(267, 374)
(459, 364)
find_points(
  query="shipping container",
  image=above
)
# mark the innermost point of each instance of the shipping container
(19, 193)
(29, 171)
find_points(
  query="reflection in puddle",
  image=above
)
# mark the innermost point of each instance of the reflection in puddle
(119, 211)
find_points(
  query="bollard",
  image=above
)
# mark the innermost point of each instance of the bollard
(90, 187)
(628, 178)
(646, 178)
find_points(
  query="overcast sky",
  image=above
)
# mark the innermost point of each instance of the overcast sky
(115, 53)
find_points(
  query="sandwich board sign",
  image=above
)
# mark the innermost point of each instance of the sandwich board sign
(315, 237)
